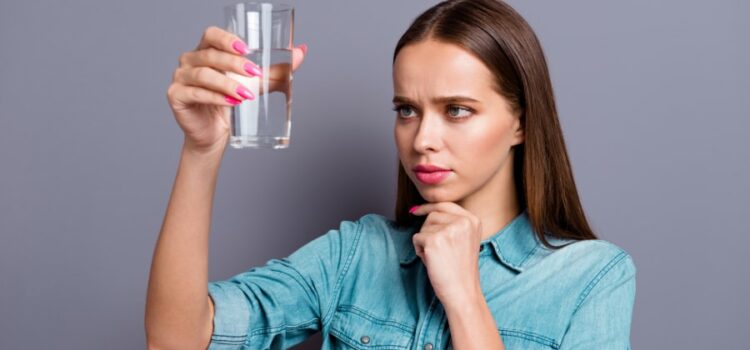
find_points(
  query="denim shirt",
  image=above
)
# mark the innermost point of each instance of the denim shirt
(363, 287)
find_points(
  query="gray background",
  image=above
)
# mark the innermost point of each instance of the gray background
(653, 98)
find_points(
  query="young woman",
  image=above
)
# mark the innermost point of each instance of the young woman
(489, 249)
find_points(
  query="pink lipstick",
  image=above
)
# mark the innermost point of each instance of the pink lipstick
(431, 174)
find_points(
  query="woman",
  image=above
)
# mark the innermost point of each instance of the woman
(486, 201)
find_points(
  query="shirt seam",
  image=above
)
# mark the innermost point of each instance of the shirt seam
(599, 276)
(327, 314)
(271, 329)
(286, 328)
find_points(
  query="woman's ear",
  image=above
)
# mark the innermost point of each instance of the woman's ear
(519, 136)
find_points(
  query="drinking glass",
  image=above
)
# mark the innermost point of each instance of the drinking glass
(268, 30)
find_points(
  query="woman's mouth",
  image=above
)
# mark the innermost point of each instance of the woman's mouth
(433, 177)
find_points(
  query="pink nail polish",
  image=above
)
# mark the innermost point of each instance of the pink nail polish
(304, 48)
(232, 100)
(244, 92)
(240, 47)
(252, 69)
(412, 209)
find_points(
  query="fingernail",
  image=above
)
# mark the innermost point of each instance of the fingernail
(303, 47)
(250, 68)
(232, 100)
(412, 209)
(240, 47)
(244, 92)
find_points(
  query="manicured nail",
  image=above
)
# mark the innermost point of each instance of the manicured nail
(412, 209)
(252, 69)
(232, 100)
(240, 47)
(303, 47)
(244, 92)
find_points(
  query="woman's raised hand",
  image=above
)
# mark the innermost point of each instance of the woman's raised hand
(201, 94)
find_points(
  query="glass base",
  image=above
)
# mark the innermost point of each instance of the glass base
(267, 142)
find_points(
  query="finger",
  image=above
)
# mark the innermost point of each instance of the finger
(448, 207)
(418, 240)
(223, 40)
(189, 95)
(439, 218)
(220, 60)
(429, 229)
(211, 79)
(298, 55)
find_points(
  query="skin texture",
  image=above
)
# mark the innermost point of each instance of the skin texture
(478, 198)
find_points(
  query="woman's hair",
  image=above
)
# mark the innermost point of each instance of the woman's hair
(496, 34)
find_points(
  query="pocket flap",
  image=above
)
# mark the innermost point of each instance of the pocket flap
(364, 331)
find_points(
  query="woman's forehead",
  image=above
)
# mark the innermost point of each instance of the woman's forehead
(438, 68)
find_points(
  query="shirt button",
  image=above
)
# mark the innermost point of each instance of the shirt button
(428, 346)
(365, 339)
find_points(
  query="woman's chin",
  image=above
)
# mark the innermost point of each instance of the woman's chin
(434, 194)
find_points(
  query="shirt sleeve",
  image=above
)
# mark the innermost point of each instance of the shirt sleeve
(281, 304)
(603, 317)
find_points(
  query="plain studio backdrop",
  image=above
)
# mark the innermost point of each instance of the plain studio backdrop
(653, 98)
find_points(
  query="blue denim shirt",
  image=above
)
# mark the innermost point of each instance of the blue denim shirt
(363, 287)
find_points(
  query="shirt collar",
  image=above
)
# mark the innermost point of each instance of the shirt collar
(512, 245)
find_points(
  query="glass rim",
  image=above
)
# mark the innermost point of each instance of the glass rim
(277, 6)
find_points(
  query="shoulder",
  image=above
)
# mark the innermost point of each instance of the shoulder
(379, 228)
(369, 228)
(591, 252)
(378, 235)
(588, 262)
(604, 254)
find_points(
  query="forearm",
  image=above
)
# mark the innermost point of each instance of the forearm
(472, 325)
(177, 309)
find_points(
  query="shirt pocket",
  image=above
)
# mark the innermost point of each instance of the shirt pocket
(355, 328)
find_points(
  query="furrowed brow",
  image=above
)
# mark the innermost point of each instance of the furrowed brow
(441, 99)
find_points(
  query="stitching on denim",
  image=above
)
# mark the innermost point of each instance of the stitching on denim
(328, 313)
(443, 330)
(300, 280)
(426, 322)
(528, 255)
(355, 344)
(228, 342)
(284, 327)
(227, 336)
(537, 338)
(586, 291)
(231, 338)
(347, 307)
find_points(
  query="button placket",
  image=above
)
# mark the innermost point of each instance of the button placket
(432, 329)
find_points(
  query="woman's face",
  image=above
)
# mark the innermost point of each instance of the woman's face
(448, 115)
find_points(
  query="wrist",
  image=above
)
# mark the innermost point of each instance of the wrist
(211, 151)
(467, 299)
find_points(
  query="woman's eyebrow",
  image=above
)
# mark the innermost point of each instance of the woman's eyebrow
(441, 99)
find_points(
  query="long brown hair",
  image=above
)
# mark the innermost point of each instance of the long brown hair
(504, 41)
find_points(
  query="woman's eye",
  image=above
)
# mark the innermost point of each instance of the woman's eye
(399, 109)
(454, 112)
(457, 108)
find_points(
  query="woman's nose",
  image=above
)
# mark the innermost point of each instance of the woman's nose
(429, 135)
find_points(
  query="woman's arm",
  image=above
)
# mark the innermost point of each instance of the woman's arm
(179, 314)
(472, 325)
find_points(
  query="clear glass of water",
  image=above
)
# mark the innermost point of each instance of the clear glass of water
(268, 30)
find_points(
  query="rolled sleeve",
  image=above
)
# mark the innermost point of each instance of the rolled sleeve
(603, 317)
(282, 303)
